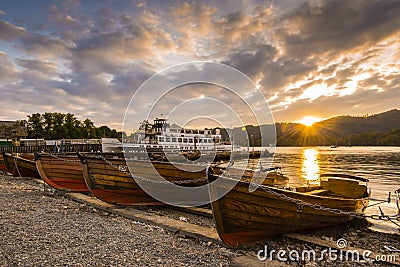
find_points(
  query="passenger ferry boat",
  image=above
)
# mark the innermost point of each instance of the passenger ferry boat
(162, 137)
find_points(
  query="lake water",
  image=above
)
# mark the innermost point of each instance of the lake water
(381, 165)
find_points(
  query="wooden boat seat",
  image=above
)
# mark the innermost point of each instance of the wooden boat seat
(306, 189)
(345, 187)
(318, 192)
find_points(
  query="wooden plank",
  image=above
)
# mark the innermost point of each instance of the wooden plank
(149, 173)
(347, 188)
(282, 218)
(55, 175)
(269, 200)
(64, 167)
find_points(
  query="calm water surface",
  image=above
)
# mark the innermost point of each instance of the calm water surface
(381, 165)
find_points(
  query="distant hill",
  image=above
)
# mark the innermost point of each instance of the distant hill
(345, 125)
(369, 130)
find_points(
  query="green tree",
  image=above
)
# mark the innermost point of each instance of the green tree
(35, 126)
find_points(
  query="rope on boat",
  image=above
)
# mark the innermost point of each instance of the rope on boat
(124, 169)
(16, 165)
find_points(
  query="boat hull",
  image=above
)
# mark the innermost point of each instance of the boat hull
(2, 165)
(244, 217)
(22, 165)
(62, 172)
(110, 180)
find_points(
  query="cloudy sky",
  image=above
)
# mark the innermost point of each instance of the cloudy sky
(308, 58)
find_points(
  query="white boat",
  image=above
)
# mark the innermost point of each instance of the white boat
(162, 137)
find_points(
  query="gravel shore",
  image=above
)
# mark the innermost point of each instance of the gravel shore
(41, 229)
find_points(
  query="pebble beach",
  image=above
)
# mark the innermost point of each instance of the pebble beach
(44, 228)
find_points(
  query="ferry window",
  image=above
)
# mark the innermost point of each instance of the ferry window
(173, 139)
(168, 139)
(180, 140)
(162, 139)
(190, 140)
(185, 140)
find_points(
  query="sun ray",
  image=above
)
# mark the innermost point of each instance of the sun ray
(309, 120)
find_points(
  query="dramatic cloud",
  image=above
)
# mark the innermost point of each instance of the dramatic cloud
(10, 32)
(8, 72)
(320, 58)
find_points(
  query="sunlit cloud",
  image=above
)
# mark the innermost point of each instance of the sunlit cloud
(309, 58)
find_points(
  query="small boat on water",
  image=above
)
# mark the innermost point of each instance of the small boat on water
(244, 217)
(62, 172)
(21, 164)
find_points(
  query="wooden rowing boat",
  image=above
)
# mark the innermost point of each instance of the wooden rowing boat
(110, 180)
(20, 164)
(247, 217)
(62, 172)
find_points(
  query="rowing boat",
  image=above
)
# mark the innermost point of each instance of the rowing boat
(244, 217)
(20, 164)
(110, 180)
(62, 172)
(115, 180)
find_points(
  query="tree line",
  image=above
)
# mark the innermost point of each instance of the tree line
(345, 130)
(54, 125)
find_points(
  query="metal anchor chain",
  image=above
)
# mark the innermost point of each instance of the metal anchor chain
(301, 204)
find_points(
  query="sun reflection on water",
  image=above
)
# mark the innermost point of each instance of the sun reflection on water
(310, 165)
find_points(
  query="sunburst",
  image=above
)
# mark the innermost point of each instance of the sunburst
(309, 120)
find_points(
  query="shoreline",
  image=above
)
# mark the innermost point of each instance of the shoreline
(49, 229)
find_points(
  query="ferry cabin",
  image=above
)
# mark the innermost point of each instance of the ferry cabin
(162, 135)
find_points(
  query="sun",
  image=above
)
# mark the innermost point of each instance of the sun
(309, 120)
